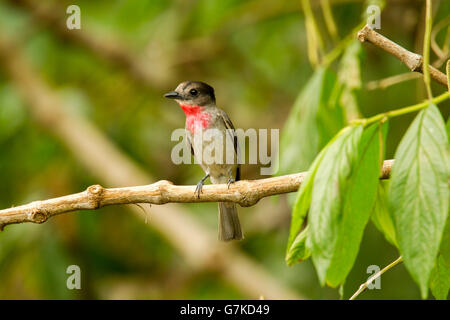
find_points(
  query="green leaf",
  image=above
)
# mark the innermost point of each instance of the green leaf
(349, 75)
(349, 69)
(358, 194)
(419, 193)
(295, 250)
(298, 251)
(381, 217)
(314, 119)
(440, 279)
(447, 127)
(445, 243)
(303, 201)
(326, 201)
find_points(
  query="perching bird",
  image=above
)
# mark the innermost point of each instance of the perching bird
(198, 102)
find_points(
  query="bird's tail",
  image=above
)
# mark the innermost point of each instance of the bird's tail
(229, 225)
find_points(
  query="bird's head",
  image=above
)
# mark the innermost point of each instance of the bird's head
(193, 93)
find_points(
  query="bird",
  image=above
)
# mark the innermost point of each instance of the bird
(197, 100)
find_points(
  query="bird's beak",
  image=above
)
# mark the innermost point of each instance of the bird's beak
(173, 95)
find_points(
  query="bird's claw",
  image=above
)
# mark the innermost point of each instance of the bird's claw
(198, 188)
(230, 181)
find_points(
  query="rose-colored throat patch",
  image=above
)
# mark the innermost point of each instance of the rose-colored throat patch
(196, 118)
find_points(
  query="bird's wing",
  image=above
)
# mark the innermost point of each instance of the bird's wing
(229, 125)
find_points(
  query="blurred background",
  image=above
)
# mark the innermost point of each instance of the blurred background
(81, 107)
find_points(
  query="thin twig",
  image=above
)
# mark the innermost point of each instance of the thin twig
(412, 60)
(245, 193)
(375, 276)
(399, 78)
(392, 80)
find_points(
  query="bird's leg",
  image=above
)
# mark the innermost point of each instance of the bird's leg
(231, 180)
(199, 187)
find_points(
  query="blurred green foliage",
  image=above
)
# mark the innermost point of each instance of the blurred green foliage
(254, 53)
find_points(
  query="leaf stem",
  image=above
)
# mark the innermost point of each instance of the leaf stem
(426, 49)
(337, 50)
(375, 276)
(315, 41)
(402, 111)
(329, 20)
(448, 75)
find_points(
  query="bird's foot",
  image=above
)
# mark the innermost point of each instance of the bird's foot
(199, 187)
(230, 181)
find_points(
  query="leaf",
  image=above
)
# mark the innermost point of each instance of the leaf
(349, 75)
(447, 127)
(440, 279)
(326, 201)
(381, 217)
(303, 200)
(445, 243)
(358, 194)
(349, 69)
(298, 251)
(312, 122)
(295, 252)
(419, 194)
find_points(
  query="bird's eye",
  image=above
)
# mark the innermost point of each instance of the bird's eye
(193, 92)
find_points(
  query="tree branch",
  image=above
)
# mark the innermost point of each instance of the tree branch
(107, 163)
(412, 60)
(245, 193)
(375, 276)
